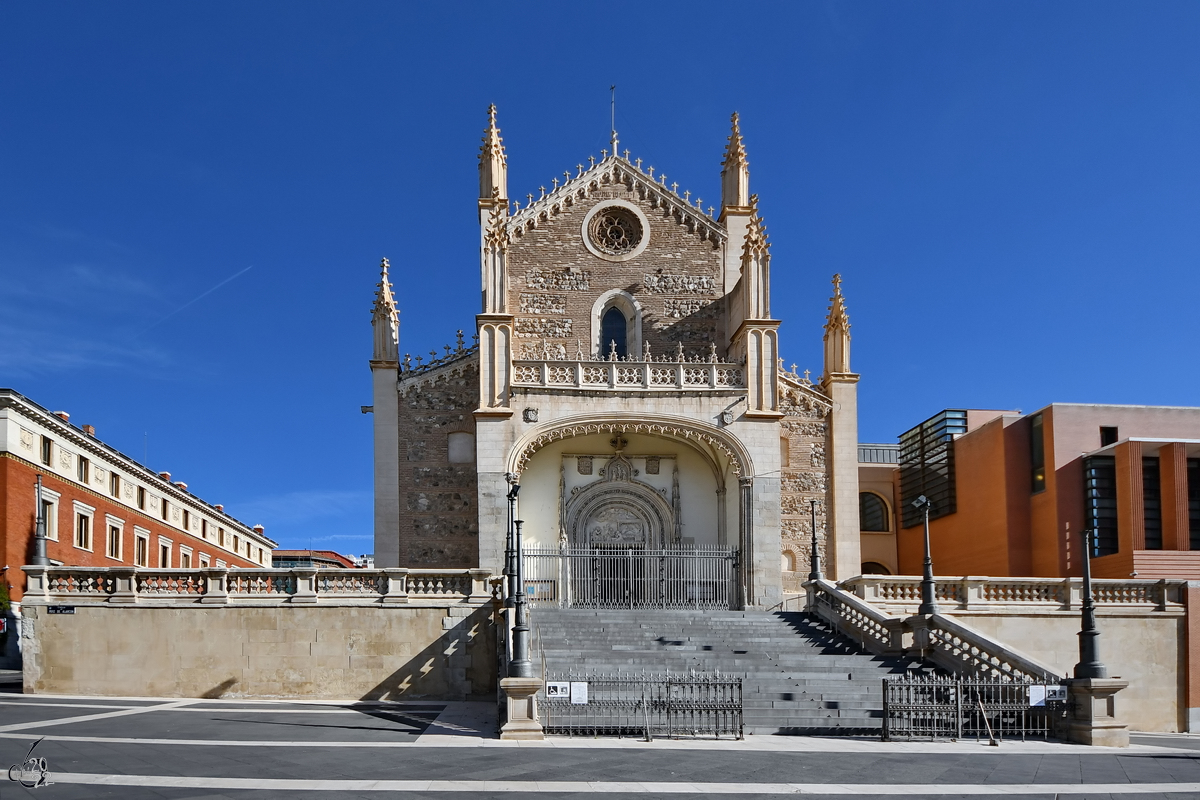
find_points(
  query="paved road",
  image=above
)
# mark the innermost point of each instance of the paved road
(170, 748)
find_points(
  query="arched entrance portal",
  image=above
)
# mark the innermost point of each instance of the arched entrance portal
(631, 519)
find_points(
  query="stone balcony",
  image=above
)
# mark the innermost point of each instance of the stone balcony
(672, 376)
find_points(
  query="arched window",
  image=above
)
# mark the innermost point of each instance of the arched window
(872, 513)
(789, 561)
(613, 328)
(874, 568)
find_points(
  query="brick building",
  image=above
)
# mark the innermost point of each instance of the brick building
(627, 374)
(103, 509)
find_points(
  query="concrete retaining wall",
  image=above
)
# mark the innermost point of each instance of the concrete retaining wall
(327, 652)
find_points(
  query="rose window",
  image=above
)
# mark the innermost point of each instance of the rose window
(615, 231)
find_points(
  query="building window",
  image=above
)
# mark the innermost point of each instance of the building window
(613, 328)
(141, 550)
(927, 465)
(114, 485)
(220, 537)
(166, 508)
(187, 520)
(47, 450)
(83, 469)
(203, 561)
(1193, 482)
(114, 542)
(236, 544)
(141, 498)
(185, 559)
(50, 513)
(1108, 435)
(872, 513)
(1037, 454)
(261, 556)
(203, 529)
(1152, 503)
(164, 554)
(1100, 503)
(83, 530)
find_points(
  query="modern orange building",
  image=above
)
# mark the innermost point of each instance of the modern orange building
(1012, 493)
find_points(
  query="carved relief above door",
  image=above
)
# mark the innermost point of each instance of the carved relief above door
(619, 512)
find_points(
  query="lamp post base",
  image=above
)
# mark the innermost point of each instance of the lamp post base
(522, 722)
(1093, 717)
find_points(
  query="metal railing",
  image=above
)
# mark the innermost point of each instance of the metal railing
(672, 706)
(948, 707)
(680, 578)
(125, 585)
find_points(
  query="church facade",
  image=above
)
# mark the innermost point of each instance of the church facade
(625, 372)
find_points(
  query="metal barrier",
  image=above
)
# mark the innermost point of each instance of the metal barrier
(948, 707)
(671, 706)
(684, 577)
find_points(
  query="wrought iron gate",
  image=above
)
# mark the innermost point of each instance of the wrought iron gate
(949, 707)
(696, 704)
(684, 577)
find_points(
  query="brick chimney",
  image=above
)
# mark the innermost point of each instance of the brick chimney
(90, 430)
(64, 416)
(166, 476)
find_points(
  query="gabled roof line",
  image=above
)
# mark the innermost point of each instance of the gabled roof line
(619, 169)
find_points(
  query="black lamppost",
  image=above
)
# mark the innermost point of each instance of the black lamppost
(928, 587)
(520, 666)
(1089, 665)
(510, 551)
(814, 558)
(39, 532)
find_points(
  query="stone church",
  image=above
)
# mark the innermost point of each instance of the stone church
(625, 372)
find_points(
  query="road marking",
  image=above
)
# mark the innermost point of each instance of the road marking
(612, 787)
(20, 726)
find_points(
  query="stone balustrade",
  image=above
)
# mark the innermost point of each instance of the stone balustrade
(902, 593)
(629, 375)
(366, 587)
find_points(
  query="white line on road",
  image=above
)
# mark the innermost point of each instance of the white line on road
(21, 726)
(611, 787)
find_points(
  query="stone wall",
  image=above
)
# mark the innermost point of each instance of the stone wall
(804, 435)
(328, 652)
(439, 525)
(554, 280)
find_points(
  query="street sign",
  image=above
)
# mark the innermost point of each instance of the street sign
(558, 689)
(60, 609)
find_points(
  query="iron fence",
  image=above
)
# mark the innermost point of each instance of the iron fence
(683, 577)
(953, 707)
(672, 706)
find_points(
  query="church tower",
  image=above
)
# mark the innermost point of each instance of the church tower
(628, 377)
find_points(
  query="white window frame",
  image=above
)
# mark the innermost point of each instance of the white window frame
(221, 564)
(170, 545)
(83, 510)
(111, 522)
(83, 470)
(143, 535)
(204, 561)
(186, 551)
(52, 497)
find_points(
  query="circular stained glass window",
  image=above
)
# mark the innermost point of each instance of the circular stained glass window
(615, 231)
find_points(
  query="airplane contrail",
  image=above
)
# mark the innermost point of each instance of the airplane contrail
(195, 300)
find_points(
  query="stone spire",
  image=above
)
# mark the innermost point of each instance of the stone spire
(756, 266)
(493, 255)
(837, 333)
(735, 172)
(385, 320)
(493, 163)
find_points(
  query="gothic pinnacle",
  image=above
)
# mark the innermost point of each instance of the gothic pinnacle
(493, 163)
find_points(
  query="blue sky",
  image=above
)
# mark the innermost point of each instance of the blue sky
(1011, 191)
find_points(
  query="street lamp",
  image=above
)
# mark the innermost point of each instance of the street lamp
(39, 532)
(510, 552)
(520, 666)
(1089, 665)
(928, 587)
(814, 558)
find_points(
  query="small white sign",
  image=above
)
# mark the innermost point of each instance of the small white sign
(579, 693)
(1037, 696)
(558, 689)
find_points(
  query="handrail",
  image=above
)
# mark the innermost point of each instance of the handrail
(947, 642)
(902, 593)
(136, 585)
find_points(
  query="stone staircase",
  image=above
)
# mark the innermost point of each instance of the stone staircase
(797, 676)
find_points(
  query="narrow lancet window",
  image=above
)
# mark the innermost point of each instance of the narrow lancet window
(612, 332)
